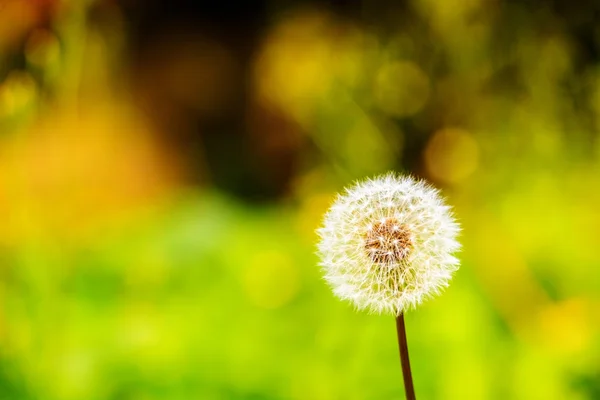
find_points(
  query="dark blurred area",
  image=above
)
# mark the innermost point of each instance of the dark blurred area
(164, 165)
(241, 161)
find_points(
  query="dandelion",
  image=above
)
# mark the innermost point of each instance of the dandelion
(387, 244)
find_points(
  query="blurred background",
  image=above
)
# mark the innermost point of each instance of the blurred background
(164, 164)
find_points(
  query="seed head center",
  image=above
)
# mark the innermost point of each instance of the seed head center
(388, 242)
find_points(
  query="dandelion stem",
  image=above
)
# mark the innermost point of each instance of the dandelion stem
(404, 360)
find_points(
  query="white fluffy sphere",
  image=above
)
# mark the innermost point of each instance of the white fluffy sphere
(388, 243)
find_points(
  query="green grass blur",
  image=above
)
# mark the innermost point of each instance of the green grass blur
(128, 273)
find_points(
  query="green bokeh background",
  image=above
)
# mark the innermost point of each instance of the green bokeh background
(138, 262)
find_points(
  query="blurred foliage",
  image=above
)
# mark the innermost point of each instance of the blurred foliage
(127, 272)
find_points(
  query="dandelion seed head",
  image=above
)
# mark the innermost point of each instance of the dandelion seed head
(388, 243)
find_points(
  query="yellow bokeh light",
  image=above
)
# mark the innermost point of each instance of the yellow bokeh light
(401, 88)
(42, 48)
(565, 326)
(271, 280)
(16, 92)
(446, 16)
(291, 70)
(452, 155)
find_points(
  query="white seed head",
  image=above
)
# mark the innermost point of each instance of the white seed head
(388, 243)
